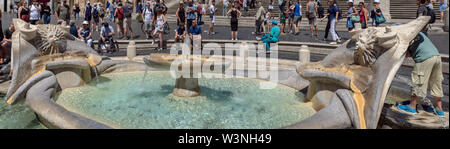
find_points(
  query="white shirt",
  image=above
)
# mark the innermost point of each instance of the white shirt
(211, 9)
(225, 2)
(34, 13)
(148, 15)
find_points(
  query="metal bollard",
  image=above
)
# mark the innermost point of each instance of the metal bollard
(304, 54)
(131, 50)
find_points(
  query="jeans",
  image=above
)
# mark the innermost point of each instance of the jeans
(76, 15)
(46, 19)
(334, 35)
(225, 10)
(327, 29)
(199, 19)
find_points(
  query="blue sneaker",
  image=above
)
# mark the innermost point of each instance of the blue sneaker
(428, 108)
(406, 108)
(440, 113)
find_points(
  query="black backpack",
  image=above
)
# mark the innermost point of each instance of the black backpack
(95, 13)
(430, 12)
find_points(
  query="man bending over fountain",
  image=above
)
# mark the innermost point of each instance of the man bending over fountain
(427, 72)
(273, 37)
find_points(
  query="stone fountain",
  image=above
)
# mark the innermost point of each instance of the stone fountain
(347, 88)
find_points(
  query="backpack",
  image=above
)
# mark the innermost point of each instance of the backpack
(430, 12)
(120, 13)
(101, 11)
(95, 13)
(128, 10)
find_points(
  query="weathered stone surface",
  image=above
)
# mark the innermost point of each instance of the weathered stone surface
(321, 99)
(396, 119)
(186, 87)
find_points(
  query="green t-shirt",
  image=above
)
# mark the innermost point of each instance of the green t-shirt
(63, 13)
(422, 49)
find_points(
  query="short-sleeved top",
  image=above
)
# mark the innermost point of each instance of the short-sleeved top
(297, 10)
(422, 9)
(422, 49)
(332, 10)
(195, 30)
(148, 14)
(191, 16)
(85, 32)
(105, 32)
(73, 31)
(211, 10)
(180, 31)
(45, 10)
(63, 12)
(7, 33)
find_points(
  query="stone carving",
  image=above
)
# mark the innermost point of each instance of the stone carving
(359, 73)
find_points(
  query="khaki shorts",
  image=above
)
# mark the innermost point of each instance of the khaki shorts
(427, 74)
(128, 22)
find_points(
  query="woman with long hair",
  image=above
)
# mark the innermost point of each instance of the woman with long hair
(235, 14)
(351, 12)
(363, 15)
(24, 12)
(160, 21)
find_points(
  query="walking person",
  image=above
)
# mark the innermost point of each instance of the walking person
(297, 16)
(363, 15)
(259, 19)
(181, 14)
(88, 13)
(35, 10)
(95, 16)
(224, 7)
(378, 13)
(212, 15)
(291, 16)
(76, 11)
(147, 14)
(200, 11)
(112, 10)
(63, 12)
(333, 17)
(235, 14)
(283, 15)
(267, 21)
(160, 21)
(442, 8)
(128, 11)
(119, 14)
(46, 13)
(350, 13)
(101, 12)
(311, 11)
(190, 11)
(24, 12)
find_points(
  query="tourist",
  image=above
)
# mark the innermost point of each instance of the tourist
(212, 16)
(297, 16)
(190, 10)
(422, 10)
(200, 11)
(442, 8)
(333, 17)
(195, 34)
(85, 34)
(119, 14)
(76, 11)
(427, 72)
(259, 18)
(377, 12)
(180, 33)
(181, 14)
(101, 12)
(63, 12)
(35, 9)
(282, 16)
(252, 4)
(224, 7)
(88, 13)
(235, 14)
(159, 29)
(138, 8)
(291, 17)
(280, 5)
(95, 16)
(106, 34)
(245, 4)
(350, 13)
(46, 13)
(363, 15)
(73, 30)
(24, 12)
(163, 6)
(112, 10)
(6, 44)
(271, 4)
(128, 11)
(311, 11)
(147, 14)
(267, 21)
(272, 37)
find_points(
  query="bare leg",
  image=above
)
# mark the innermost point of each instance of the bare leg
(232, 35)
(438, 103)
(413, 102)
(235, 35)
(160, 40)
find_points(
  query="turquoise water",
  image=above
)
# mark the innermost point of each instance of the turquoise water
(126, 101)
(17, 116)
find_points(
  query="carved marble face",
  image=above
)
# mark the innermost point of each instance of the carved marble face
(372, 43)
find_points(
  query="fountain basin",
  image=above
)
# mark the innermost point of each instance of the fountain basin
(123, 100)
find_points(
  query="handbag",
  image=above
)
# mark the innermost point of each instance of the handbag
(380, 19)
(355, 18)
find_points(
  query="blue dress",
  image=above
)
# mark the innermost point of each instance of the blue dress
(350, 23)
